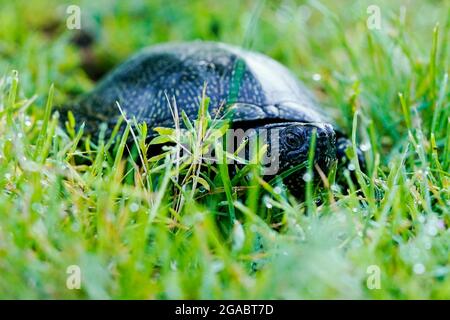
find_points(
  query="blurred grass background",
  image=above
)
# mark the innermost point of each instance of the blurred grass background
(54, 213)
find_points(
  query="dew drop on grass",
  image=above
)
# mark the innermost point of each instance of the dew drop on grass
(75, 227)
(355, 210)
(316, 77)
(432, 230)
(267, 202)
(238, 236)
(351, 167)
(28, 123)
(306, 177)
(277, 190)
(415, 253)
(134, 207)
(365, 146)
(217, 266)
(419, 268)
(335, 187)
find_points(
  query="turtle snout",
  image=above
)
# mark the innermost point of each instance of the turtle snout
(326, 137)
(325, 146)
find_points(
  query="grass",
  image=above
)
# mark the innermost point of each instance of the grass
(166, 230)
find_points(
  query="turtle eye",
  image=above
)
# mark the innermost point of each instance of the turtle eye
(293, 140)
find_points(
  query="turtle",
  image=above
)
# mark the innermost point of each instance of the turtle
(252, 89)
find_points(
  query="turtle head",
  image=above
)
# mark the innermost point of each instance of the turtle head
(295, 143)
(292, 146)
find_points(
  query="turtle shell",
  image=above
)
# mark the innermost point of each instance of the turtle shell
(246, 85)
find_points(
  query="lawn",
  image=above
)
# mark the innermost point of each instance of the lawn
(81, 219)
